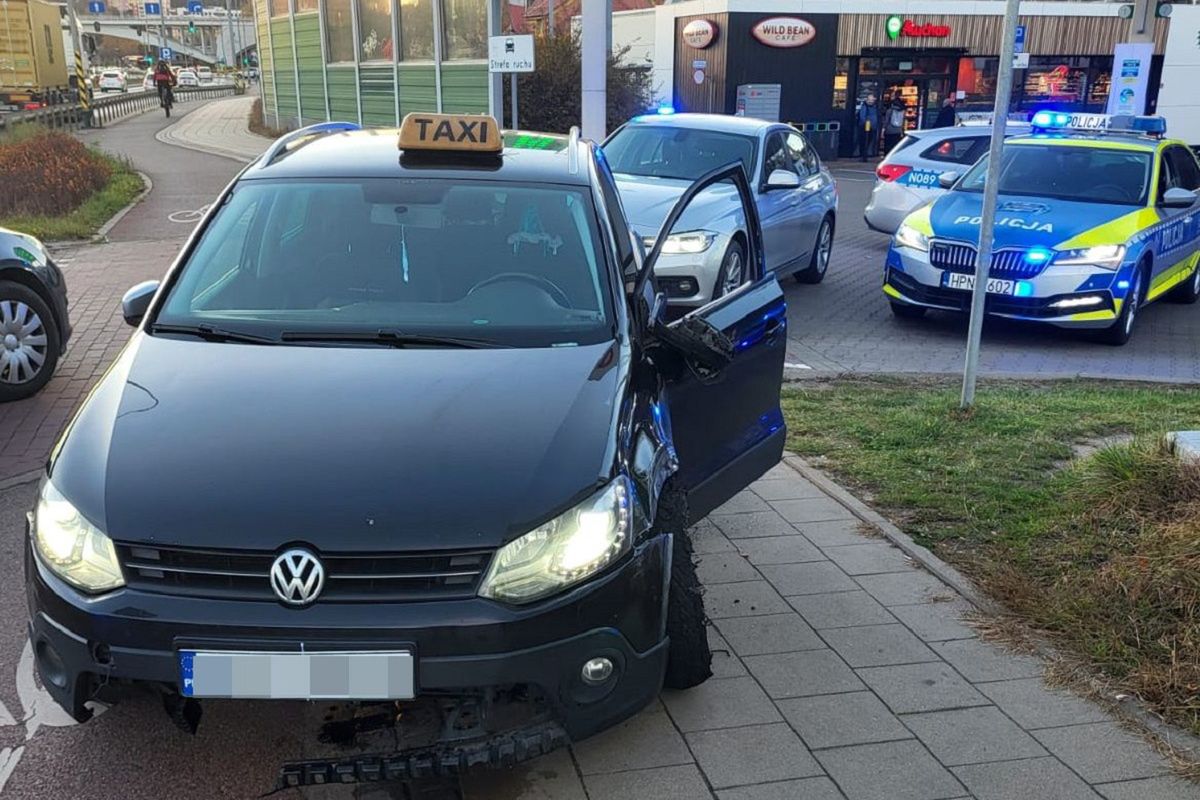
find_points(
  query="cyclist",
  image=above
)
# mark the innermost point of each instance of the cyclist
(164, 79)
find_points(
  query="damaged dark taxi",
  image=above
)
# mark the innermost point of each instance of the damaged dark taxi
(407, 428)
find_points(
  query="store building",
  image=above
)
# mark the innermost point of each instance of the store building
(373, 61)
(826, 56)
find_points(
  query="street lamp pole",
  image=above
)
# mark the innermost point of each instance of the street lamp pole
(991, 187)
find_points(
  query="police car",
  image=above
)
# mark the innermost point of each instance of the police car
(406, 424)
(909, 176)
(1090, 226)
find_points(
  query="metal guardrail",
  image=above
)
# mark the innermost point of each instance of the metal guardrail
(106, 110)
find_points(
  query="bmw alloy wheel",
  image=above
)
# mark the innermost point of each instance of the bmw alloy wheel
(24, 342)
(732, 270)
(824, 247)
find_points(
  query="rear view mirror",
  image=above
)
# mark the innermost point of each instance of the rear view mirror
(136, 301)
(1179, 198)
(782, 179)
(947, 179)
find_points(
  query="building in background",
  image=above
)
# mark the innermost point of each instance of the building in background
(372, 61)
(815, 60)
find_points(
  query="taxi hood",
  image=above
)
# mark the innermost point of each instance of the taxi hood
(647, 201)
(1021, 221)
(349, 449)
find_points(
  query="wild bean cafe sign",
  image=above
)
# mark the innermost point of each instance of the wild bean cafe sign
(784, 32)
(898, 26)
(699, 33)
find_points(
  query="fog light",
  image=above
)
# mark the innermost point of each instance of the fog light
(52, 667)
(596, 671)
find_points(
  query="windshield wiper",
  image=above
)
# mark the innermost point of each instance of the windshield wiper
(212, 334)
(387, 337)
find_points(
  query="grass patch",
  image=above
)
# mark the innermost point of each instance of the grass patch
(84, 220)
(1102, 551)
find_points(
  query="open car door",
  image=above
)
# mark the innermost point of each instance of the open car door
(722, 394)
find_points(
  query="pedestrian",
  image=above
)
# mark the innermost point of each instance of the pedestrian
(893, 123)
(867, 122)
(946, 117)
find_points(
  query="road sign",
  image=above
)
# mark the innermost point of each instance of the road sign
(1019, 44)
(165, 53)
(195, 7)
(1020, 60)
(510, 53)
(153, 9)
(95, 7)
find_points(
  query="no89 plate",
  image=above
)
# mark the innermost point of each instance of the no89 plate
(957, 280)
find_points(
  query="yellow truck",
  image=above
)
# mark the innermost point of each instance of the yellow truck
(34, 63)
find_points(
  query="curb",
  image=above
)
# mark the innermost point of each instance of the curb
(922, 555)
(20, 480)
(102, 234)
(1127, 708)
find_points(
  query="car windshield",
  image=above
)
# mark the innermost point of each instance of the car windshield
(664, 151)
(509, 264)
(1069, 172)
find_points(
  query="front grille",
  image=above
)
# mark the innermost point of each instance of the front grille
(349, 577)
(1007, 263)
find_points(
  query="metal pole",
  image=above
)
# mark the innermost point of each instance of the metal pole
(596, 24)
(162, 24)
(512, 77)
(80, 59)
(1141, 24)
(550, 17)
(983, 256)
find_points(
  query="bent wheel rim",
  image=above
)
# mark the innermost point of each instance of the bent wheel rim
(23, 342)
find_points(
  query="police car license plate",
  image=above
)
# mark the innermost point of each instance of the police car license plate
(367, 675)
(956, 280)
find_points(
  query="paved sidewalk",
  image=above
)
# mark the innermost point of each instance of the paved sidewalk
(844, 671)
(220, 128)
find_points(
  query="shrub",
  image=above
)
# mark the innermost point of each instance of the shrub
(48, 173)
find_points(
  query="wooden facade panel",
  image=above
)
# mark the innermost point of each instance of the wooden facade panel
(708, 96)
(980, 34)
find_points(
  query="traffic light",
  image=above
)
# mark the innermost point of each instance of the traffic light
(191, 26)
(96, 26)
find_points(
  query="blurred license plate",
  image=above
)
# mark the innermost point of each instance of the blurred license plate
(956, 280)
(297, 676)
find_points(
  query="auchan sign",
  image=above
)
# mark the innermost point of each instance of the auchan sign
(897, 27)
(784, 32)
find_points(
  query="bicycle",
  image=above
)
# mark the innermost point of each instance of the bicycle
(166, 98)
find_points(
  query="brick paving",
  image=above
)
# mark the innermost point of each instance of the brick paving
(219, 128)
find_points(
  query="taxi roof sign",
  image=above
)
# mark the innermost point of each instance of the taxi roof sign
(472, 133)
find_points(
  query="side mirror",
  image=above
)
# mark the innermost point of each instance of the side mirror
(947, 179)
(136, 301)
(1178, 198)
(782, 179)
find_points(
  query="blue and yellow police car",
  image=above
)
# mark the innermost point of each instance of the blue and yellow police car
(1090, 225)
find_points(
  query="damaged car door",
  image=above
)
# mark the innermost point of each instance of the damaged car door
(722, 386)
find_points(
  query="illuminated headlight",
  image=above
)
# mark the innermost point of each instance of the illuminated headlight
(908, 236)
(1108, 256)
(73, 548)
(564, 551)
(689, 242)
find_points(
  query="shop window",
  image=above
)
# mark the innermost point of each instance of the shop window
(465, 22)
(1055, 81)
(416, 30)
(279, 8)
(375, 30)
(339, 31)
(977, 80)
(841, 83)
(1099, 82)
(868, 66)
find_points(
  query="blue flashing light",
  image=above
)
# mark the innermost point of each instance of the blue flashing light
(1122, 284)
(665, 110)
(1038, 255)
(1155, 126)
(1050, 119)
(1024, 289)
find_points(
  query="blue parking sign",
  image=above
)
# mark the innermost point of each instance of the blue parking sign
(95, 7)
(1019, 44)
(195, 7)
(165, 53)
(153, 9)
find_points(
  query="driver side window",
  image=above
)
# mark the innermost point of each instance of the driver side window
(775, 156)
(1167, 177)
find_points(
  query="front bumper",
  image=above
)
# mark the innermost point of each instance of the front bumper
(701, 269)
(890, 203)
(83, 643)
(1048, 297)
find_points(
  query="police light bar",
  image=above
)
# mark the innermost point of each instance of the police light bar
(1149, 125)
(1066, 121)
(472, 133)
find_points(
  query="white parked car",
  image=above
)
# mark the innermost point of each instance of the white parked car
(148, 81)
(187, 77)
(205, 74)
(113, 80)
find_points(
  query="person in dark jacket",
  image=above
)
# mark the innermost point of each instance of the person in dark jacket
(946, 117)
(893, 123)
(867, 122)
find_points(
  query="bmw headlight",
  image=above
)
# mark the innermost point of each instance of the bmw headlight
(908, 236)
(688, 242)
(564, 551)
(1107, 256)
(73, 548)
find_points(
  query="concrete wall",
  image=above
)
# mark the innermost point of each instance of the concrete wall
(1179, 98)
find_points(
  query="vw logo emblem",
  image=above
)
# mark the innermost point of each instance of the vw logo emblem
(297, 577)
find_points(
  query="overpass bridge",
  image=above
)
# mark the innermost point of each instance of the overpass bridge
(214, 38)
